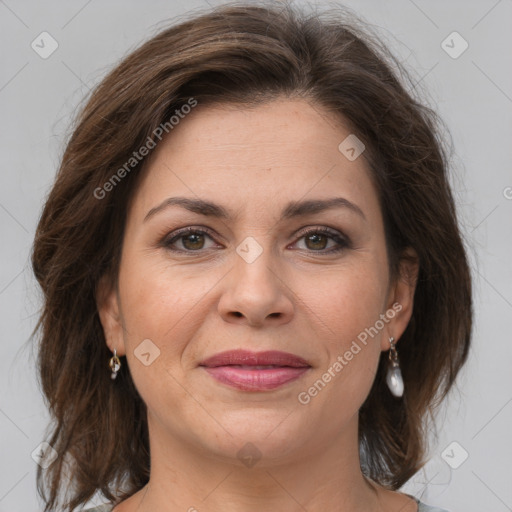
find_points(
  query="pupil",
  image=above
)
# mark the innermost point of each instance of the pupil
(316, 236)
(194, 238)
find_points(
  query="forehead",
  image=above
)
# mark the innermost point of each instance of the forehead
(253, 158)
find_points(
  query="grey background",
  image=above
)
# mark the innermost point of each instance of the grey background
(473, 94)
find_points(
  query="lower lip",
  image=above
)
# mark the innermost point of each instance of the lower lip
(253, 379)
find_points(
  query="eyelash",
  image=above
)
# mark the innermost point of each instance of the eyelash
(344, 242)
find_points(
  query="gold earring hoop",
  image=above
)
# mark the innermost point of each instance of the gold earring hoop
(114, 364)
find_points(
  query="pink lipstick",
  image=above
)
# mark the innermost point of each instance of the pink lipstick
(255, 371)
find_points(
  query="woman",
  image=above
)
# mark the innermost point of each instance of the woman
(255, 289)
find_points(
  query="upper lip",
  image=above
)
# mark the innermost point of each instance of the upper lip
(247, 358)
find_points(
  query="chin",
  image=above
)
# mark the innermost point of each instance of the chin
(272, 435)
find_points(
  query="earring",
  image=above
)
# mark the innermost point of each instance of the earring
(115, 365)
(394, 376)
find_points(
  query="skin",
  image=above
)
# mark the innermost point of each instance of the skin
(295, 297)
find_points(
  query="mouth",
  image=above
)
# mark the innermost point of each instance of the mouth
(271, 358)
(250, 371)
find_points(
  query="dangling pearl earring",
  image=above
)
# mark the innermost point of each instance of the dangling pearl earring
(394, 376)
(115, 365)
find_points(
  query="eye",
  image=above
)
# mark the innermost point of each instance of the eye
(192, 239)
(316, 239)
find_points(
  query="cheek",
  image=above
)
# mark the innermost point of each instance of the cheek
(167, 304)
(159, 298)
(347, 299)
(346, 307)
(158, 308)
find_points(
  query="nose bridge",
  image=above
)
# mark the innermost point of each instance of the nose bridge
(255, 290)
(254, 265)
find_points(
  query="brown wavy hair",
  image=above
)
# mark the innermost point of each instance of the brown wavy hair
(244, 54)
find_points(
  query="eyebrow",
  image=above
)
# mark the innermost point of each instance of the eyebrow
(292, 209)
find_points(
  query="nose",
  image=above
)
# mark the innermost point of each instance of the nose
(256, 293)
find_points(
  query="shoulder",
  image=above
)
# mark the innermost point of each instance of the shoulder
(107, 507)
(422, 507)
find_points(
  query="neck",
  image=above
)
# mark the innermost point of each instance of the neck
(321, 477)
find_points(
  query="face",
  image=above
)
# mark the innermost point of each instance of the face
(270, 275)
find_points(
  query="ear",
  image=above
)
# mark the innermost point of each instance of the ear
(107, 302)
(401, 297)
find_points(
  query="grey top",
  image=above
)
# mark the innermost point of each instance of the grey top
(422, 507)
